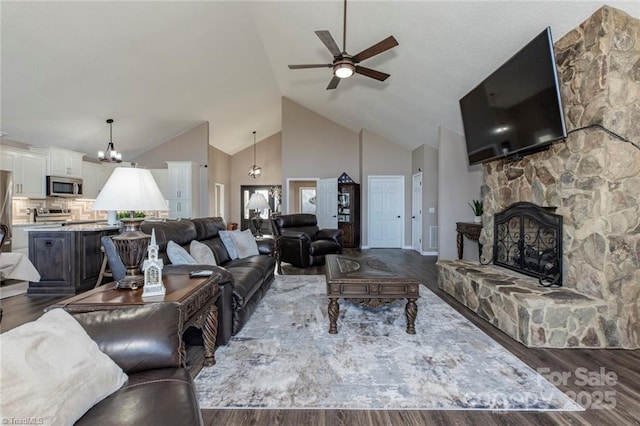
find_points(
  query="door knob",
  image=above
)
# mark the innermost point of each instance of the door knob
(412, 217)
(398, 217)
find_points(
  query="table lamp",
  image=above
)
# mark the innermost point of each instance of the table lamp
(257, 202)
(131, 189)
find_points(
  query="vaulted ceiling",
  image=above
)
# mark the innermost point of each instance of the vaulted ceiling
(161, 68)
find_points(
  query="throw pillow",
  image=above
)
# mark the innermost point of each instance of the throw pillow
(52, 370)
(245, 243)
(202, 253)
(229, 244)
(179, 256)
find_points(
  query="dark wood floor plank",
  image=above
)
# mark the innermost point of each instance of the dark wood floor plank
(625, 363)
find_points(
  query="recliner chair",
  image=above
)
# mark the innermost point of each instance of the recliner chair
(301, 243)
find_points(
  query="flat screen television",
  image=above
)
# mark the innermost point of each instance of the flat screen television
(517, 109)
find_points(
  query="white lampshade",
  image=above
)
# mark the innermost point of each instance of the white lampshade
(257, 202)
(130, 189)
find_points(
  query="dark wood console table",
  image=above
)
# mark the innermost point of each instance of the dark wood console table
(472, 232)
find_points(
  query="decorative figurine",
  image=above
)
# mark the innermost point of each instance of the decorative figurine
(152, 268)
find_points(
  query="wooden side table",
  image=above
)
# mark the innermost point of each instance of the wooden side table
(472, 232)
(196, 296)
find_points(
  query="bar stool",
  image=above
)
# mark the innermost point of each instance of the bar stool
(104, 269)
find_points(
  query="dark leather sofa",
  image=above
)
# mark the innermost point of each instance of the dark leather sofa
(243, 282)
(302, 243)
(145, 342)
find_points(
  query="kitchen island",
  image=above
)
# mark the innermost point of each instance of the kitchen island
(68, 257)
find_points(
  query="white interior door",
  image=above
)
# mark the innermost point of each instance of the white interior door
(416, 213)
(386, 211)
(327, 203)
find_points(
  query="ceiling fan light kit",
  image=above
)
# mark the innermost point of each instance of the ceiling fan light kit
(345, 65)
(344, 69)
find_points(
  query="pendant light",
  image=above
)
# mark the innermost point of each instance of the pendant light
(110, 155)
(255, 171)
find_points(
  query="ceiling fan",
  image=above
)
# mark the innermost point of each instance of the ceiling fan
(344, 64)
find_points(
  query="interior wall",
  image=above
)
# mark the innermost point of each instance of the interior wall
(458, 184)
(191, 145)
(315, 147)
(268, 156)
(381, 157)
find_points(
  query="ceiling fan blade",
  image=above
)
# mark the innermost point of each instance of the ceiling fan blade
(372, 73)
(328, 41)
(299, 67)
(333, 83)
(376, 49)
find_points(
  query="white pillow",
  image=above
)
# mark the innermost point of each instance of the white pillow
(179, 256)
(245, 243)
(229, 244)
(52, 370)
(202, 253)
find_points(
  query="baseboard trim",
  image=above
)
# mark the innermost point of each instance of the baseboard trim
(429, 253)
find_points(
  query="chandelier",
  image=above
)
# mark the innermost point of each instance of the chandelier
(255, 171)
(110, 155)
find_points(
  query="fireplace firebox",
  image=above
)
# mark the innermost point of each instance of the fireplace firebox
(528, 239)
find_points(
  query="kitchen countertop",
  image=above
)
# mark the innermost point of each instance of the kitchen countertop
(78, 227)
(58, 223)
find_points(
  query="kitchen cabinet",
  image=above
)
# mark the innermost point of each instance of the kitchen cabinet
(29, 172)
(68, 258)
(94, 176)
(20, 236)
(61, 162)
(183, 189)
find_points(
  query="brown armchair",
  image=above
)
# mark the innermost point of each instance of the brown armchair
(301, 243)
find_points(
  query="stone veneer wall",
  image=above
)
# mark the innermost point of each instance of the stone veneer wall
(593, 178)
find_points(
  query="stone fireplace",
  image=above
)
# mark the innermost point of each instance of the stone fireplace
(593, 181)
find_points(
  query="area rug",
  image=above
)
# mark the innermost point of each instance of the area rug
(284, 358)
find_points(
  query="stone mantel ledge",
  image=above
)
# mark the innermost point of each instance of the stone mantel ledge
(535, 316)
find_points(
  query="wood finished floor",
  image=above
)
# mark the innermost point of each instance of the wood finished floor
(623, 363)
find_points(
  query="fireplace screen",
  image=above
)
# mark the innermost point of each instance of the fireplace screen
(528, 239)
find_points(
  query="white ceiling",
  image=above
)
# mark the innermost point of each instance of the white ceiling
(160, 68)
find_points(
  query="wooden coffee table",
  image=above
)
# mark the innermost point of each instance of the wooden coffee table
(196, 296)
(368, 281)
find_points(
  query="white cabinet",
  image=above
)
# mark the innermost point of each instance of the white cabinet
(94, 176)
(29, 172)
(61, 162)
(183, 189)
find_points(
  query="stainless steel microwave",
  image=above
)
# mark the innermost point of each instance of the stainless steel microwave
(59, 186)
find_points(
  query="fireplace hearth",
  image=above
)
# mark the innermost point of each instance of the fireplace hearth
(528, 239)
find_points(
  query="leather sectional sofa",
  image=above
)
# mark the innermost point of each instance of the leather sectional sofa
(243, 282)
(144, 341)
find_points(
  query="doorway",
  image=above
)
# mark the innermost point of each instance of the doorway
(416, 212)
(386, 211)
(272, 198)
(218, 200)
